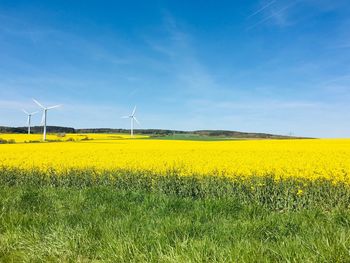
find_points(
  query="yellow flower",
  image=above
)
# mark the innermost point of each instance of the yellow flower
(300, 159)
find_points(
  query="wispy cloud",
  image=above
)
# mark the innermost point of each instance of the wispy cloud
(191, 74)
(261, 9)
(45, 36)
(278, 15)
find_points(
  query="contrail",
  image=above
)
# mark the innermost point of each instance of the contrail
(261, 9)
(272, 15)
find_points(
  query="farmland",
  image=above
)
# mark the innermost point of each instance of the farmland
(304, 159)
(112, 198)
(62, 137)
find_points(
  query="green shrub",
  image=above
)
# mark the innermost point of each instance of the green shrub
(10, 141)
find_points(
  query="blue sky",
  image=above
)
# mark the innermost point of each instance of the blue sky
(271, 66)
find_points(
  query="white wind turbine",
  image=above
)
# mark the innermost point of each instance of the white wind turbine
(29, 115)
(132, 119)
(44, 118)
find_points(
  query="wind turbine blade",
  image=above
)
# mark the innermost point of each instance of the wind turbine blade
(133, 112)
(137, 121)
(125, 117)
(52, 107)
(38, 103)
(28, 120)
(35, 112)
(26, 112)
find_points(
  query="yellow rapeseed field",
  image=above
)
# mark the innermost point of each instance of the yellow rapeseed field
(19, 138)
(312, 159)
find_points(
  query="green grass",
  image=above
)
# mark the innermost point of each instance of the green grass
(101, 224)
(120, 216)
